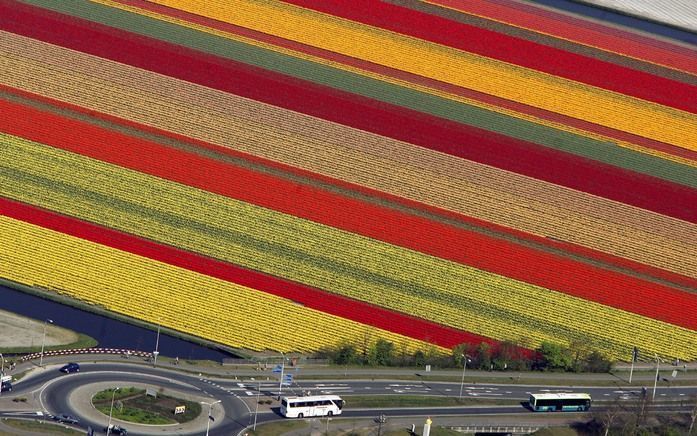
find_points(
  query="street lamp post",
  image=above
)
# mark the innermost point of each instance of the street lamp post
(283, 367)
(210, 418)
(464, 368)
(2, 372)
(157, 346)
(43, 342)
(111, 409)
(655, 380)
(256, 408)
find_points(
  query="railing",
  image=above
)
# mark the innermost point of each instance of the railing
(122, 351)
(500, 429)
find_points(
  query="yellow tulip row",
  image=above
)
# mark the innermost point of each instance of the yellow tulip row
(453, 66)
(327, 258)
(180, 299)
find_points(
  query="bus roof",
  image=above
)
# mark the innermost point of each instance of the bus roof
(562, 396)
(313, 397)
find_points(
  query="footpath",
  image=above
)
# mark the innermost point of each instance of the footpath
(644, 375)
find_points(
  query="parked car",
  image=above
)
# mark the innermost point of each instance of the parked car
(116, 430)
(70, 367)
(5, 386)
(65, 418)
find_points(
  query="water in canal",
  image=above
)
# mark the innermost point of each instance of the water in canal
(110, 333)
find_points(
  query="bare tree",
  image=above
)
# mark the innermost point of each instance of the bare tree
(580, 349)
(693, 414)
(607, 417)
(640, 410)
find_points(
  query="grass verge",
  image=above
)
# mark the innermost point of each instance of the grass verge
(133, 405)
(386, 401)
(278, 428)
(38, 427)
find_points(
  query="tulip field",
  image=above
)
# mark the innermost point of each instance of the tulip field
(347, 171)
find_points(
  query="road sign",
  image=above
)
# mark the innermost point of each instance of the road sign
(277, 369)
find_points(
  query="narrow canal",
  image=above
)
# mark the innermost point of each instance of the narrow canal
(109, 333)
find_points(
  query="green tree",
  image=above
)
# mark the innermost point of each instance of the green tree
(555, 356)
(458, 353)
(346, 354)
(381, 353)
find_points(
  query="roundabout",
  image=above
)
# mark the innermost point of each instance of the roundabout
(82, 400)
(73, 394)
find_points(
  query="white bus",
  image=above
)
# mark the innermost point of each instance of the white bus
(313, 405)
(562, 402)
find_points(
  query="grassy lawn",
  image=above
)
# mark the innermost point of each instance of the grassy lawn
(38, 427)
(133, 405)
(279, 427)
(435, 431)
(379, 401)
(556, 431)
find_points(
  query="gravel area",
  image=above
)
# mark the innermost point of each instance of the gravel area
(680, 13)
(19, 331)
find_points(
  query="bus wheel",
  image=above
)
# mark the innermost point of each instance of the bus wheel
(330, 413)
(300, 415)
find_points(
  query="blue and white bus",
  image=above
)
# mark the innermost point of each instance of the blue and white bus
(562, 402)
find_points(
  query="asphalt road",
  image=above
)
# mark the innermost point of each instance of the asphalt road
(54, 390)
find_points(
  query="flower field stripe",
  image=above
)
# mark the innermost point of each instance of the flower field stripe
(537, 89)
(615, 40)
(652, 250)
(549, 271)
(298, 250)
(377, 31)
(411, 81)
(479, 225)
(223, 304)
(350, 110)
(563, 90)
(548, 40)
